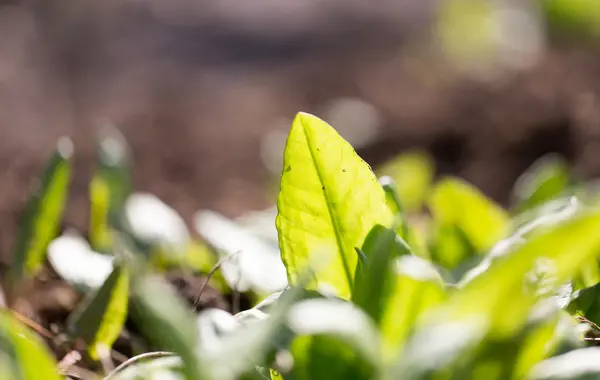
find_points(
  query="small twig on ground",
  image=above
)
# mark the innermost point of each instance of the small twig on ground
(135, 359)
(205, 284)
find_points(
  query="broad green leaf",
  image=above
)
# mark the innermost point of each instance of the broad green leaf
(455, 203)
(413, 174)
(416, 288)
(100, 318)
(43, 212)
(546, 179)
(28, 356)
(374, 280)
(328, 202)
(167, 321)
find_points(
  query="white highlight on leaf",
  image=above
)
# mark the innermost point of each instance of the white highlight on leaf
(572, 365)
(248, 262)
(73, 259)
(335, 317)
(212, 325)
(417, 268)
(155, 222)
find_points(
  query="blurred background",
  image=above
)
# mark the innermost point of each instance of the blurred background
(204, 91)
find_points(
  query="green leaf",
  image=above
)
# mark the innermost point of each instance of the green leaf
(416, 288)
(100, 318)
(26, 353)
(375, 280)
(546, 179)
(413, 174)
(167, 321)
(562, 250)
(455, 203)
(43, 212)
(329, 201)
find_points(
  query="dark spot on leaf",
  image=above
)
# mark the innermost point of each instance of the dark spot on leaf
(323, 188)
(318, 149)
(344, 170)
(288, 168)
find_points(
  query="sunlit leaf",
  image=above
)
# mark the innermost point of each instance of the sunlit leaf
(43, 212)
(27, 355)
(329, 201)
(100, 318)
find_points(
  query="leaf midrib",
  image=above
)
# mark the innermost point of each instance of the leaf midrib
(330, 208)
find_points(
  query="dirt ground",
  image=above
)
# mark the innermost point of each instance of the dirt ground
(195, 103)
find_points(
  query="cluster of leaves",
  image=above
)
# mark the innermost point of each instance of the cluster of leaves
(400, 277)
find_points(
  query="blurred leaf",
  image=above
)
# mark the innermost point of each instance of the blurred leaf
(452, 249)
(413, 174)
(582, 364)
(250, 345)
(335, 340)
(43, 212)
(100, 318)
(165, 318)
(247, 262)
(28, 357)
(416, 288)
(374, 281)
(72, 258)
(100, 236)
(562, 250)
(546, 179)
(109, 188)
(579, 16)
(455, 203)
(160, 368)
(329, 200)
